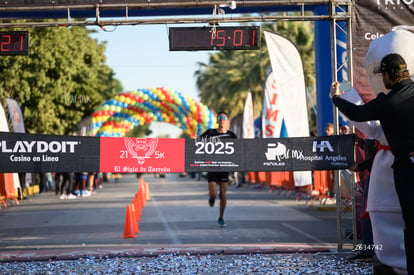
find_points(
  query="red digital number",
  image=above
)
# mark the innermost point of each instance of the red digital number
(191, 38)
(253, 37)
(237, 35)
(21, 42)
(219, 37)
(179, 38)
(5, 43)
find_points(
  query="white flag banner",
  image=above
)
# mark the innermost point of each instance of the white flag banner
(16, 115)
(287, 70)
(248, 118)
(4, 127)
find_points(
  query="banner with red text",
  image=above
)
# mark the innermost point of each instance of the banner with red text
(142, 155)
(272, 113)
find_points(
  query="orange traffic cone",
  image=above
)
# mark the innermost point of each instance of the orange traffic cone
(141, 183)
(141, 195)
(134, 215)
(138, 207)
(129, 231)
(147, 191)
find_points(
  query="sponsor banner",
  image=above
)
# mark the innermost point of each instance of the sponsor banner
(142, 155)
(213, 154)
(283, 154)
(299, 154)
(372, 19)
(48, 153)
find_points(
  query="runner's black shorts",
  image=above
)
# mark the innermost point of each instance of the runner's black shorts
(218, 177)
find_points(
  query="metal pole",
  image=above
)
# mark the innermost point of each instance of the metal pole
(336, 182)
(350, 77)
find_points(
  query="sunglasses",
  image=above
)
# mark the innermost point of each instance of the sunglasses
(222, 117)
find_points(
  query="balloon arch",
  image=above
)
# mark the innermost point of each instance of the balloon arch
(117, 116)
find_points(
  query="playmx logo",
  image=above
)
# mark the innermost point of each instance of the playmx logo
(322, 146)
(276, 151)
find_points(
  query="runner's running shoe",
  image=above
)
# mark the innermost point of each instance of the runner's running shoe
(221, 222)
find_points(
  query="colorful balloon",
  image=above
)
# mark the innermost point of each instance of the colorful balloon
(117, 116)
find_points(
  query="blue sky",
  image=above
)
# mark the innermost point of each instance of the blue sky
(140, 58)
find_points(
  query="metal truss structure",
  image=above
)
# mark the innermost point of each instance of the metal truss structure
(61, 13)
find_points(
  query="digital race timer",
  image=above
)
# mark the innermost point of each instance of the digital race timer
(14, 43)
(219, 38)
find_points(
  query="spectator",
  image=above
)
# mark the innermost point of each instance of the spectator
(395, 111)
(66, 187)
(370, 147)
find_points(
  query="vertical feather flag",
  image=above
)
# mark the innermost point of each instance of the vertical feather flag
(11, 180)
(248, 118)
(290, 116)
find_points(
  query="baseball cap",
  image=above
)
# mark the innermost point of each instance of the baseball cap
(392, 63)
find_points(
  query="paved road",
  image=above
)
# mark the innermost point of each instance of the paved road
(177, 218)
(266, 234)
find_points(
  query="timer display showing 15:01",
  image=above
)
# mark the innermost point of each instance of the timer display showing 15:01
(219, 38)
(14, 43)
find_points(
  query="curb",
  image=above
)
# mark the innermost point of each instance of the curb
(76, 253)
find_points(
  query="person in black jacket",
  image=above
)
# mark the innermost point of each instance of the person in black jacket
(219, 178)
(395, 111)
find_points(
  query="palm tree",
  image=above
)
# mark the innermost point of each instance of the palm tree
(225, 81)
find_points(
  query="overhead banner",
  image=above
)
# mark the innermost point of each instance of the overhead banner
(373, 19)
(50, 153)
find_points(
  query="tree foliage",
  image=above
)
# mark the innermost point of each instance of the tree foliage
(61, 81)
(229, 76)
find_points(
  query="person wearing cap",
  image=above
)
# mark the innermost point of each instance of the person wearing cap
(219, 178)
(395, 111)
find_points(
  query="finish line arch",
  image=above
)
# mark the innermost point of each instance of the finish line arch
(117, 116)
